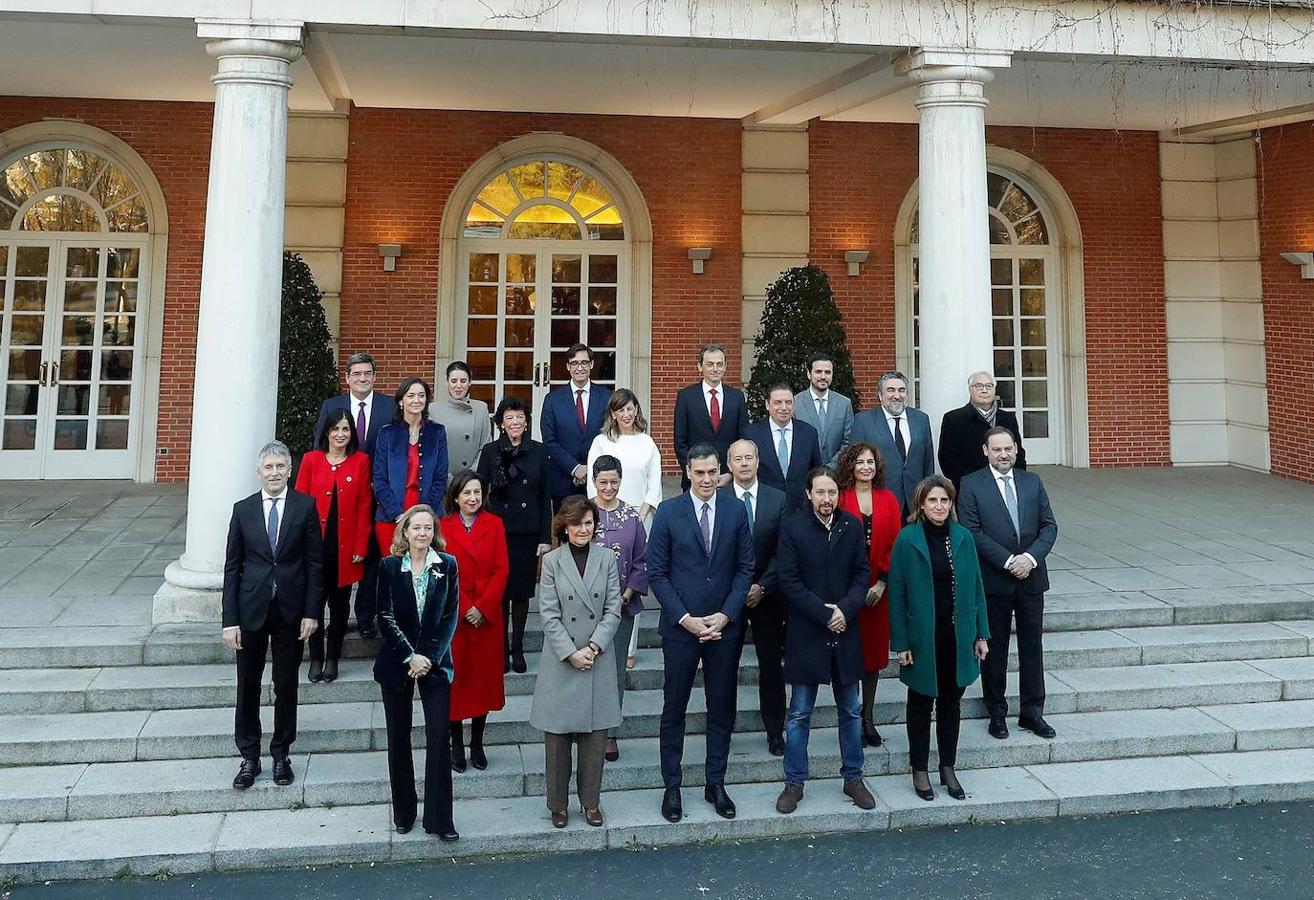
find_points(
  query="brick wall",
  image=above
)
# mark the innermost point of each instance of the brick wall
(1286, 223)
(403, 164)
(174, 139)
(1112, 180)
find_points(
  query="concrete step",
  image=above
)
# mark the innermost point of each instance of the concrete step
(163, 787)
(37, 691)
(82, 737)
(188, 843)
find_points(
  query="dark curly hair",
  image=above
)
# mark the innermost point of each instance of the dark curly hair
(848, 458)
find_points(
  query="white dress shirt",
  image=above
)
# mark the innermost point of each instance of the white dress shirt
(720, 397)
(817, 401)
(267, 500)
(751, 489)
(575, 389)
(354, 409)
(903, 427)
(788, 431)
(1003, 495)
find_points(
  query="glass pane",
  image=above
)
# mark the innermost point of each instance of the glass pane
(1035, 394)
(121, 296)
(1035, 425)
(1001, 302)
(47, 167)
(564, 332)
(1004, 365)
(519, 301)
(565, 301)
(112, 187)
(591, 197)
(74, 399)
(529, 178)
(1033, 302)
(483, 300)
(481, 332)
(82, 168)
(21, 399)
(499, 196)
(996, 185)
(999, 233)
(75, 365)
(32, 261)
(115, 399)
(70, 434)
(483, 365)
(115, 365)
(1033, 332)
(112, 434)
(1033, 362)
(602, 269)
(485, 393)
(26, 331)
(555, 231)
(15, 186)
(79, 296)
(602, 301)
(128, 217)
(917, 332)
(483, 267)
(604, 366)
(562, 179)
(120, 331)
(1003, 332)
(482, 222)
(602, 333)
(1032, 271)
(20, 434)
(1004, 387)
(61, 212)
(24, 365)
(1001, 272)
(79, 331)
(520, 267)
(1032, 230)
(7, 213)
(914, 233)
(30, 295)
(83, 262)
(1015, 204)
(565, 269)
(606, 231)
(557, 371)
(123, 263)
(518, 366)
(524, 391)
(519, 332)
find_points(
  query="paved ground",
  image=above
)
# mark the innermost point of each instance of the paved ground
(1245, 852)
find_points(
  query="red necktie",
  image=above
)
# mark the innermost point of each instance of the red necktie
(716, 412)
(579, 409)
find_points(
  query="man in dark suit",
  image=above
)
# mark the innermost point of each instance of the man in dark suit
(1007, 511)
(709, 412)
(823, 570)
(789, 448)
(963, 430)
(829, 412)
(902, 434)
(272, 597)
(764, 607)
(370, 411)
(700, 566)
(571, 418)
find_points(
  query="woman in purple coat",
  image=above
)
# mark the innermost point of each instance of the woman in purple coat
(621, 530)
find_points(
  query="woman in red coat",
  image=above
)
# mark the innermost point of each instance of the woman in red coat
(478, 541)
(861, 470)
(337, 475)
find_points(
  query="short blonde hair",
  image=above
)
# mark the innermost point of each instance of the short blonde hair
(400, 545)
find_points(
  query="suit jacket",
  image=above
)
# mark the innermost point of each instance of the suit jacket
(685, 578)
(833, 433)
(769, 510)
(819, 566)
(577, 609)
(391, 455)
(804, 456)
(901, 476)
(522, 503)
(567, 445)
(693, 423)
(256, 576)
(403, 631)
(982, 511)
(382, 411)
(962, 435)
(351, 480)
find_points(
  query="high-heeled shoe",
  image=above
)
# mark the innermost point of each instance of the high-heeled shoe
(927, 793)
(330, 670)
(870, 736)
(478, 758)
(316, 673)
(458, 754)
(951, 784)
(518, 664)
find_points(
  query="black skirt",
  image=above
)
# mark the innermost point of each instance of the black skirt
(522, 557)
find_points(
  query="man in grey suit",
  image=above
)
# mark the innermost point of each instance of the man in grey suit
(828, 412)
(1007, 511)
(902, 434)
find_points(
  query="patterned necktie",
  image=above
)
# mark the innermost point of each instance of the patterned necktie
(272, 524)
(748, 505)
(898, 439)
(821, 412)
(1010, 500)
(705, 525)
(360, 423)
(782, 451)
(716, 412)
(579, 409)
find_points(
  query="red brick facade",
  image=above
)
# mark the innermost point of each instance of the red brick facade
(1112, 181)
(1286, 223)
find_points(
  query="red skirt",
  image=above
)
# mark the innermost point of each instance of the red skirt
(874, 629)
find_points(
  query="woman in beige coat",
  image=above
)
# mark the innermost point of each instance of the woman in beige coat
(577, 696)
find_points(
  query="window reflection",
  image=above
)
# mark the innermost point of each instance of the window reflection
(545, 199)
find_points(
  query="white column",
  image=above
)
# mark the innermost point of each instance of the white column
(954, 239)
(236, 391)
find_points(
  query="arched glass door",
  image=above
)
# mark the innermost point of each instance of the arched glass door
(73, 244)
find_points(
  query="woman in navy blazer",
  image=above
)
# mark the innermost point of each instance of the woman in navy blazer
(416, 649)
(410, 460)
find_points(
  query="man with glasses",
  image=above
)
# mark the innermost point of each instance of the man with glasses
(902, 435)
(963, 430)
(571, 418)
(369, 411)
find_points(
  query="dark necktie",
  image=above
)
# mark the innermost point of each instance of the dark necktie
(360, 424)
(716, 411)
(748, 505)
(579, 409)
(705, 525)
(898, 439)
(272, 524)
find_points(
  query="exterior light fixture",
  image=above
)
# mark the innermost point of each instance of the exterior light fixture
(1304, 260)
(390, 252)
(698, 255)
(855, 259)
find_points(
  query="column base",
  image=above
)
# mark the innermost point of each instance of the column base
(188, 598)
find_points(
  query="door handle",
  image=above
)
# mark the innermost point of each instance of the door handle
(45, 374)
(54, 374)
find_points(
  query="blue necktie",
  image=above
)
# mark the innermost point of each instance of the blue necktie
(748, 505)
(706, 527)
(782, 452)
(272, 525)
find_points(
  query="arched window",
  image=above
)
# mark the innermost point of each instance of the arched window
(545, 198)
(70, 189)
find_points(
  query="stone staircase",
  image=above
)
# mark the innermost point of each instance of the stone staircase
(116, 745)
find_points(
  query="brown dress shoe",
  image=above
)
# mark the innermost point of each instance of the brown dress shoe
(788, 800)
(593, 816)
(560, 819)
(858, 793)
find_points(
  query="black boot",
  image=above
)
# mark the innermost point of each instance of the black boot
(519, 615)
(478, 758)
(458, 747)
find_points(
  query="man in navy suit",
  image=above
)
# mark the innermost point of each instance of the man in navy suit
(788, 447)
(571, 418)
(709, 412)
(1008, 513)
(700, 566)
(902, 434)
(370, 411)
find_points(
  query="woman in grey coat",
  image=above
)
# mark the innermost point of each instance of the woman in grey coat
(464, 417)
(577, 696)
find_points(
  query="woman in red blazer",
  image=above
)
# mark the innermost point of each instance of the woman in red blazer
(861, 471)
(337, 475)
(477, 539)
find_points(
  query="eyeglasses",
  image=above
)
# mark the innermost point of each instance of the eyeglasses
(580, 363)
(368, 376)
(983, 387)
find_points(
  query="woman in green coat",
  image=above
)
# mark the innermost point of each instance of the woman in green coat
(938, 627)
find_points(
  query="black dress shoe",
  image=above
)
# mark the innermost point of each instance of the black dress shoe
(478, 758)
(775, 745)
(367, 631)
(449, 836)
(518, 664)
(998, 727)
(405, 829)
(672, 808)
(458, 760)
(330, 670)
(283, 775)
(870, 736)
(246, 774)
(316, 673)
(715, 794)
(1037, 726)
(951, 784)
(506, 665)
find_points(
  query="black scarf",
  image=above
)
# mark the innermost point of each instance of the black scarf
(508, 468)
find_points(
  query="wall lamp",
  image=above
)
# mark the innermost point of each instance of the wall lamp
(855, 259)
(390, 252)
(699, 255)
(1304, 260)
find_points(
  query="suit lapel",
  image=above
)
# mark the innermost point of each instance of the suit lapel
(597, 406)
(592, 569)
(1000, 505)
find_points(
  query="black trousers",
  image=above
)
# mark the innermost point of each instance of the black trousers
(720, 661)
(337, 603)
(1029, 610)
(768, 623)
(947, 703)
(436, 700)
(368, 588)
(283, 639)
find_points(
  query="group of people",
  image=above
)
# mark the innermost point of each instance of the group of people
(826, 535)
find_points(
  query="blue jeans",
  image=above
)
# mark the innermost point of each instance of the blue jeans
(802, 699)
